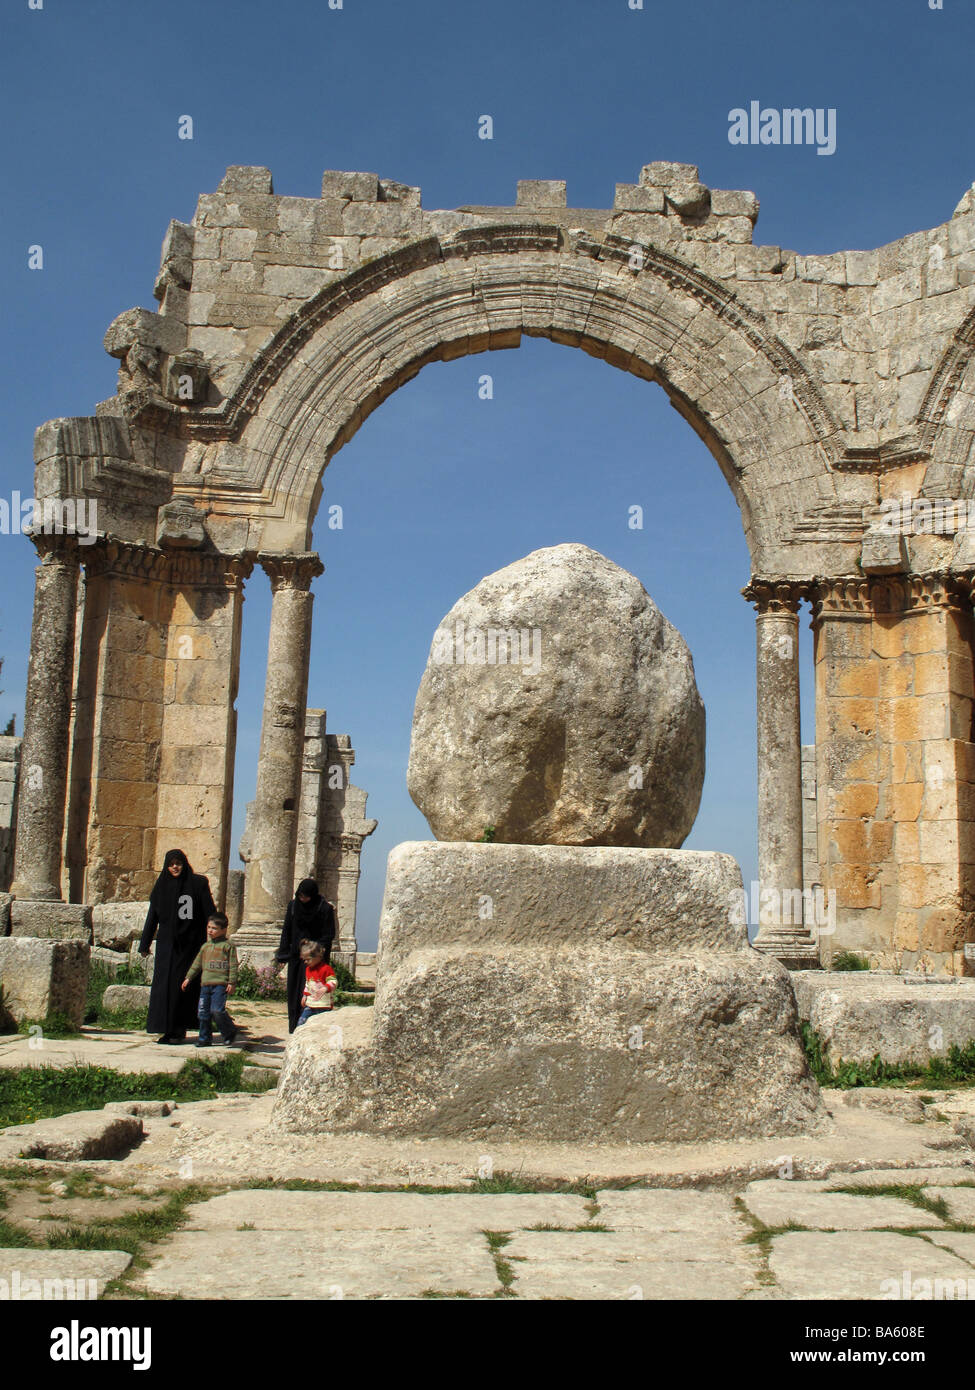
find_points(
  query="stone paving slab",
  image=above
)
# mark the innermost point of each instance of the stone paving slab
(668, 1209)
(85, 1134)
(125, 1052)
(79, 1266)
(380, 1211)
(629, 1265)
(288, 1264)
(860, 1264)
(961, 1243)
(890, 1177)
(960, 1201)
(777, 1202)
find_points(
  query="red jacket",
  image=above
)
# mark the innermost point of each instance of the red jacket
(320, 984)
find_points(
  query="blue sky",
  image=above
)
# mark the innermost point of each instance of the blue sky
(439, 487)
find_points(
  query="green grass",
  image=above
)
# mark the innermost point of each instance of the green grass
(497, 1240)
(99, 979)
(957, 1067)
(359, 997)
(914, 1193)
(56, 1025)
(35, 1093)
(849, 960)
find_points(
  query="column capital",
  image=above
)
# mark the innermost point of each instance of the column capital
(201, 569)
(775, 596)
(291, 571)
(860, 596)
(55, 547)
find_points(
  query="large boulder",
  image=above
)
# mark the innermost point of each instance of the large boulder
(559, 706)
(577, 995)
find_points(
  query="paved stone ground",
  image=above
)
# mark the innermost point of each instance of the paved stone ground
(635, 1244)
(881, 1206)
(263, 1035)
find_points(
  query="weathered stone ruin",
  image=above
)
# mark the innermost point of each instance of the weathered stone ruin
(567, 990)
(836, 393)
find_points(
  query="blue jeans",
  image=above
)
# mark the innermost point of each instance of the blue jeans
(213, 1009)
(306, 1014)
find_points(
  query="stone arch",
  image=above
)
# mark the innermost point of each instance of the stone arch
(822, 384)
(348, 348)
(946, 417)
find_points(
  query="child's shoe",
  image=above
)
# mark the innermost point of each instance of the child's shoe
(203, 1042)
(228, 1039)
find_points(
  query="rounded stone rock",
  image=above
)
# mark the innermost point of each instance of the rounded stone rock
(559, 706)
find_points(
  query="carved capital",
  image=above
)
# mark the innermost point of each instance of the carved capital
(291, 571)
(775, 596)
(57, 548)
(182, 569)
(860, 597)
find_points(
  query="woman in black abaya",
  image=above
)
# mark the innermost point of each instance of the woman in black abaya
(179, 906)
(309, 917)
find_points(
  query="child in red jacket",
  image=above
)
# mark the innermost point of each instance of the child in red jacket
(320, 982)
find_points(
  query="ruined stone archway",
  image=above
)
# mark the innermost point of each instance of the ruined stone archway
(821, 384)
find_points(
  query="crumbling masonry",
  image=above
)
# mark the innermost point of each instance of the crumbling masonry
(822, 385)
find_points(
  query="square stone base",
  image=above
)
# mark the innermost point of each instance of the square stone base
(564, 994)
(39, 978)
(862, 1014)
(50, 921)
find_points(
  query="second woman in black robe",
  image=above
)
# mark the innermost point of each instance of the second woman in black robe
(309, 917)
(179, 906)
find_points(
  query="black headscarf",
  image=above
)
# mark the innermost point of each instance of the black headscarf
(305, 913)
(166, 890)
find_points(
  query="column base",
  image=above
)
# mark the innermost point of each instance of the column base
(258, 941)
(796, 951)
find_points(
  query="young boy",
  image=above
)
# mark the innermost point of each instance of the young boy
(216, 962)
(320, 982)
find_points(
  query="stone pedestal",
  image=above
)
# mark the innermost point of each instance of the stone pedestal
(565, 994)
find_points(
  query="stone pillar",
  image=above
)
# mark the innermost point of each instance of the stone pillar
(44, 753)
(9, 775)
(782, 930)
(896, 766)
(344, 828)
(234, 905)
(155, 724)
(272, 827)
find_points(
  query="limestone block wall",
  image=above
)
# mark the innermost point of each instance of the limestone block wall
(896, 769)
(9, 774)
(199, 727)
(155, 725)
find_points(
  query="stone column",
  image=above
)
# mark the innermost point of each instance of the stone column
(782, 931)
(47, 714)
(272, 828)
